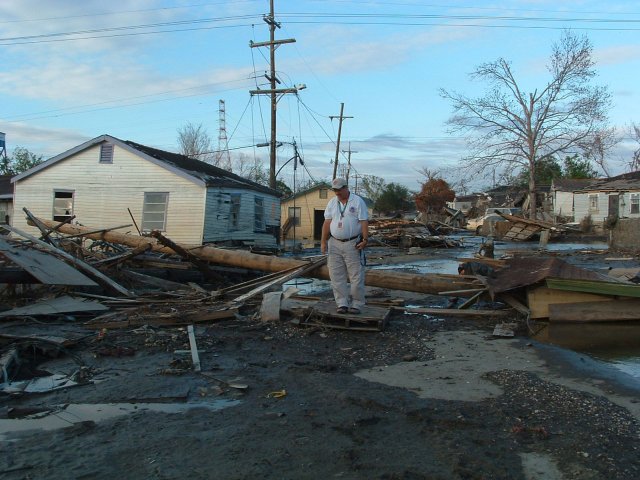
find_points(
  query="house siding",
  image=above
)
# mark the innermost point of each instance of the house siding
(308, 203)
(219, 228)
(104, 191)
(582, 205)
(563, 204)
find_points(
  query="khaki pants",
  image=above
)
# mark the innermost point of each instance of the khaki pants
(344, 269)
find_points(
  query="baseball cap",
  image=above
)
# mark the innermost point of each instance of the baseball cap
(338, 183)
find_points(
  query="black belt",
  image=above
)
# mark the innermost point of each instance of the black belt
(346, 239)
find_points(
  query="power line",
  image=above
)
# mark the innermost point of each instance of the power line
(328, 18)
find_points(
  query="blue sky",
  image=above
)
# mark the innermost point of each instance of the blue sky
(141, 69)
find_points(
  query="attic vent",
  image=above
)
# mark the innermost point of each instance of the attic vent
(106, 153)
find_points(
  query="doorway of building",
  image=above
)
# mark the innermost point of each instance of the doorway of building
(318, 220)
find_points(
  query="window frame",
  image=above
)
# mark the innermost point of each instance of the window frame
(56, 216)
(235, 200)
(593, 205)
(323, 193)
(145, 211)
(296, 218)
(258, 214)
(634, 201)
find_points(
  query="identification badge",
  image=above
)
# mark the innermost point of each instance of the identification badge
(340, 224)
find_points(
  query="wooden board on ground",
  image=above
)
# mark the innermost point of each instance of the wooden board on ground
(323, 314)
(620, 310)
(540, 298)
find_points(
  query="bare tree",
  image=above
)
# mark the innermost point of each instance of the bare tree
(511, 128)
(251, 168)
(596, 148)
(195, 142)
(634, 164)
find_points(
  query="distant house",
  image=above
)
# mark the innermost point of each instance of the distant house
(190, 201)
(465, 202)
(562, 195)
(303, 214)
(6, 199)
(610, 197)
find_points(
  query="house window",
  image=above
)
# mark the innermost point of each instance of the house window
(635, 203)
(323, 192)
(234, 211)
(106, 153)
(4, 213)
(593, 203)
(258, 208)
(154, 211)
(62, 205)
(294, 213)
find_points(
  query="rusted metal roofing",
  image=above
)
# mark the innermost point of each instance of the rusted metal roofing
(522, 272)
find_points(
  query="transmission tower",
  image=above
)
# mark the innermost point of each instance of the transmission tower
(223, 158)
(3, 147)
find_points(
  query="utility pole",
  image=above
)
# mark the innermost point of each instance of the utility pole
(223, 142)
(349, 152)
(341, 117)
(273, 44)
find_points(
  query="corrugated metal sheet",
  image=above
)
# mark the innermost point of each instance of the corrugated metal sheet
(46, 268)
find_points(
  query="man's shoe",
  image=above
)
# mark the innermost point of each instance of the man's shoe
(354, 310)
(342, 310)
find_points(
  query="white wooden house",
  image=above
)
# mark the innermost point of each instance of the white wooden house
(610, 197)
(562, 195)
(6, 199)
(192, 202)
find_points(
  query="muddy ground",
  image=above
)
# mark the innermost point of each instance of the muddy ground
(428, 398)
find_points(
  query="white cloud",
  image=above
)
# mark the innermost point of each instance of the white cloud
(617, 54)
(47, 142)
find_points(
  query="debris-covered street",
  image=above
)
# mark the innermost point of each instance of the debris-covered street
(174, 382)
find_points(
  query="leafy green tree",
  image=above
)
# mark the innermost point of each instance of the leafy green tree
(546, 170)
(20, 161)
(283, 188)
(574, 167)
(373, 187)
(394, 197)
(434, 196)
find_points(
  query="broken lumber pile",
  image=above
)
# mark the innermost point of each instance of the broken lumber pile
(421, 283)
(405, 234)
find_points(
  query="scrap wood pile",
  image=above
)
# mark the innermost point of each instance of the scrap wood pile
(554, 290)
(404, 234)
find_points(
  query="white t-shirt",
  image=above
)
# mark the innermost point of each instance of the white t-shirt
(345, 219)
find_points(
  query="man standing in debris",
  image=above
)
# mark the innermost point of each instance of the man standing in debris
(345, 234)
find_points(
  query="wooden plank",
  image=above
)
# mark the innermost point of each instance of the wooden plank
(195, 358)
(595, 311)
(44, 266)
(593, 286)
(454, 312)
(280, 280)
(514, 303)
(471, 291)
(540, 298)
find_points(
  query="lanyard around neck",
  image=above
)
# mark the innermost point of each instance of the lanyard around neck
(342, 210)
